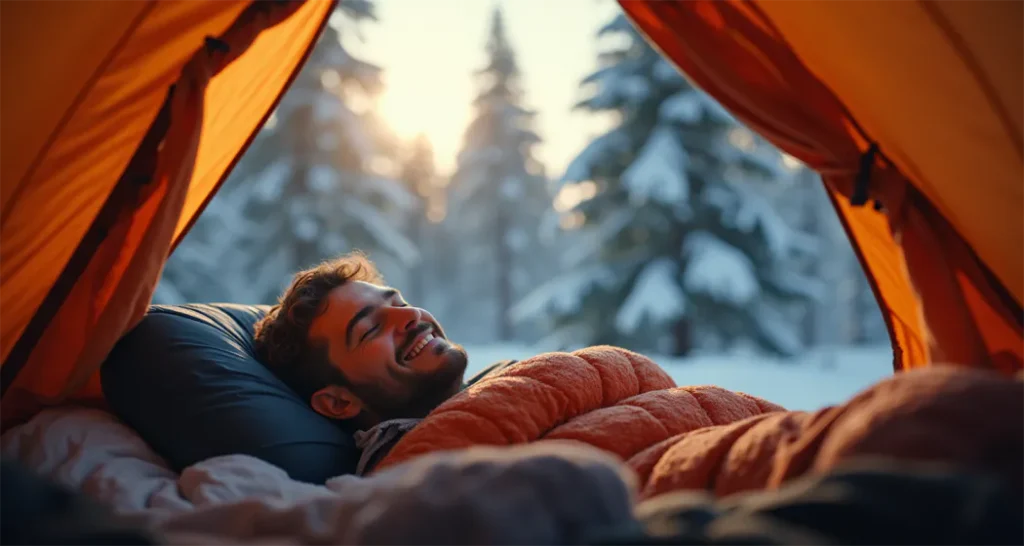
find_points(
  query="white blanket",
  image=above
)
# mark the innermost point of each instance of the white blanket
(548, 492)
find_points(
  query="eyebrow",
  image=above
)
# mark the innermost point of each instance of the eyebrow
(363, 313)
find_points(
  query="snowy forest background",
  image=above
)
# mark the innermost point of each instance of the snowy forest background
(677, 231)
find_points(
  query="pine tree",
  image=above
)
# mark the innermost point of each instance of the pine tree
(677, 246)
(310, 186)
(497, 196)
(870, 327)
(419, 174)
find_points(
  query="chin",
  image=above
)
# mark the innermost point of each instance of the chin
(454, 360)
(447, 364)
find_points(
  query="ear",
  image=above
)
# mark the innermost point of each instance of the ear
(336, 402)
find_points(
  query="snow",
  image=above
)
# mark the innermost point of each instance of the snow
(754, 212)
(665, 72)
(781, 333)
(757, 212)
(683, 107)
(326, 107)
(273, 272)
(367, 75)
(166, 294)
(813, 380)
(516, 239)
(269, 185)
(567, 335)
(609, 72)
(356, 136)
(619, 24)
(796, 283)
(614, 88)
(563, 294)
(333, 242)
(659, 173)
(592, 240)
(771, 161)
(393, 192)
(549, 230)
(599, 150)
(634, 88)
(656, 295)
(746, 210)
(479, 157)
(718, 269)
(717, 111)
(466, 183)
(381, 229)
(323, 179)
(305, 228)
(511, 188)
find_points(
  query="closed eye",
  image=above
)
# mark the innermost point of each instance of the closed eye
(376, 327)
(368, 332)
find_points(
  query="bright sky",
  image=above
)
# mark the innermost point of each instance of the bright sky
(430, 49)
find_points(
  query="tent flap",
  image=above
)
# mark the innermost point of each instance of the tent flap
(833, 105)
(117, 258)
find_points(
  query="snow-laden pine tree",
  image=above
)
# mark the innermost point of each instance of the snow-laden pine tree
(677, 247)
(309, 188)
(419, 174)
(496, 198)
(847, 313)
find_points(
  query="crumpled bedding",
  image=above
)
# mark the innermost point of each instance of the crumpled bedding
(708, 438)
(549, 492)
(565, 422)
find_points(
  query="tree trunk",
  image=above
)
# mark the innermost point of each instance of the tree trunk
(504, 275)
(418, 279)
(809, 204)
(682, 334)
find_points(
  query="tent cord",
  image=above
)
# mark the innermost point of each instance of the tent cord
(214, 44)
(863, 181)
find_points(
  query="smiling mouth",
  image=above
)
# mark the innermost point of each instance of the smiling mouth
(418, 344)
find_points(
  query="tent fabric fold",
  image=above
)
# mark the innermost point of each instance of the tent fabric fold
(941, 302)
(178, 161)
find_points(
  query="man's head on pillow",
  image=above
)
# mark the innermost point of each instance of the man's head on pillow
(355, 349)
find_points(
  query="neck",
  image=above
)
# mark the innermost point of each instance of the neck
(365, 420)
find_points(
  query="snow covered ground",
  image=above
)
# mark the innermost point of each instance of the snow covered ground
(819, 378)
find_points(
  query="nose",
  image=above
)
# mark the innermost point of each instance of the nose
(406, 318)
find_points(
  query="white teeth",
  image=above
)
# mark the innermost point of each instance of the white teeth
(415, 351)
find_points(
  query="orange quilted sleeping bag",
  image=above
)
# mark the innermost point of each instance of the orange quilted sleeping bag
(706, 437)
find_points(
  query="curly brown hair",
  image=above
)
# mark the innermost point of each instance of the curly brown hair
(282, 337)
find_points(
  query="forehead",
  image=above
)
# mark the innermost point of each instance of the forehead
(342, 303)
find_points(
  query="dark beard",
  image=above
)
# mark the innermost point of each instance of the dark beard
(423, 393)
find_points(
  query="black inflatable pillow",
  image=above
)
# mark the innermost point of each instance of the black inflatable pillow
(187, 379)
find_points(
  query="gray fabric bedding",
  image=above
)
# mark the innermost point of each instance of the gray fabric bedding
(545, 493)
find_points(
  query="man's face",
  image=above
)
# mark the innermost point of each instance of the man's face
(396, 358)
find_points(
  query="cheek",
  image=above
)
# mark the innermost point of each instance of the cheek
(378, 354)
(365, 364)
(386, 350)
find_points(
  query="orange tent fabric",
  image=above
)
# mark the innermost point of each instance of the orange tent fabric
(103, 167)
(938, 146)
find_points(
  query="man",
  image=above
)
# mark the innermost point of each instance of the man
(355, 349)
